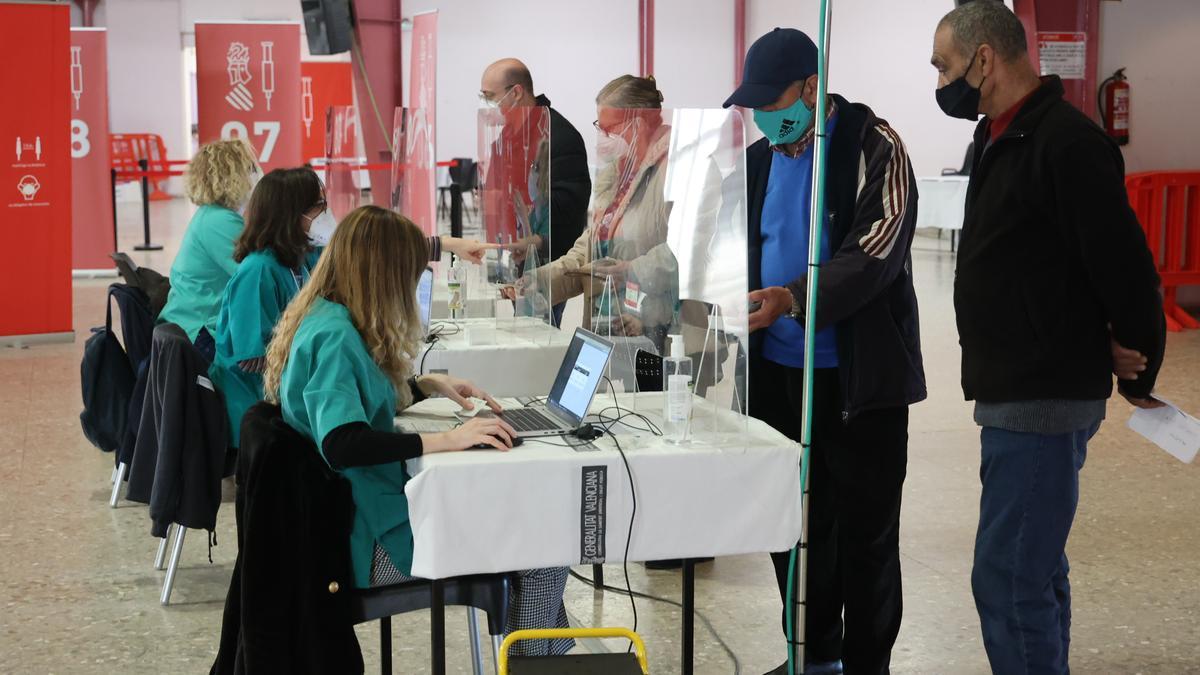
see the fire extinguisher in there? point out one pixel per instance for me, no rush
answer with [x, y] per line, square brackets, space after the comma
[1113, 102]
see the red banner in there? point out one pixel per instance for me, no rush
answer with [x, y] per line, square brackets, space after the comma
[92, 234]
[322, 84]
[420, 137]
[35, 173]
[248, 86]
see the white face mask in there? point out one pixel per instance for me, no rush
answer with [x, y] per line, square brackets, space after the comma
[611, 148]
[321, 229]
[493, 113]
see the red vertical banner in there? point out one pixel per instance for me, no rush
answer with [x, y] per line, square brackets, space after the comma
[35, 169]
[92, 233]
[420, 137]
[248, 86]
[322, 84]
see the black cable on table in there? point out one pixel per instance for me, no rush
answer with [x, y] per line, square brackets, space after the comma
[632, 513]
[432, 340]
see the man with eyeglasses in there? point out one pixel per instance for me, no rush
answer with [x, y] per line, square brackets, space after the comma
[507, 87]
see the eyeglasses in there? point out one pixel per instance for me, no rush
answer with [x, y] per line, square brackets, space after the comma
[485, 99]
[609, 132]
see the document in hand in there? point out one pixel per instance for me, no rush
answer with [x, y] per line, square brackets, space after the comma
[1169, 428]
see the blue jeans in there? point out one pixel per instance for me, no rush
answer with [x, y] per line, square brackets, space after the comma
[1030, 491]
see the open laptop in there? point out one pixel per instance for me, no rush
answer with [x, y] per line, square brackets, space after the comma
[571, 394]
[425, 298]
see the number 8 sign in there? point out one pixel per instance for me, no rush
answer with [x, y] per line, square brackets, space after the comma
[248, 87]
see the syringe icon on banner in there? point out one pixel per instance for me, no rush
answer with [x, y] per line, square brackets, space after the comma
[268, 72]
[77, 74]
[306, 100]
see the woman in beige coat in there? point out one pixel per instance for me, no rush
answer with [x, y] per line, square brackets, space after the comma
[626, 239]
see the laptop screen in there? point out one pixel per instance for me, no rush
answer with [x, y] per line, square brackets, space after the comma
[425, 298]
[580, 373]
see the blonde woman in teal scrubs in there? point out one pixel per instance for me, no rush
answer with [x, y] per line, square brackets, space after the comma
[340, 366]
[219, 180]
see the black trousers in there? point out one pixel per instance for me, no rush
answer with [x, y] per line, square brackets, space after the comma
[856, 477]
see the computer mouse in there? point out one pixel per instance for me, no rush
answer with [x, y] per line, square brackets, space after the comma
[483, 446]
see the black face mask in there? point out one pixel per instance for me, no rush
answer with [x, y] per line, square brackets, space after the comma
[959, 99]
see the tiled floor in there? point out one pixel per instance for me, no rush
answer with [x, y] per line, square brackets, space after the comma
[78, 595]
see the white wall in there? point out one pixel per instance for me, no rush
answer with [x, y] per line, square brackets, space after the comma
[693, 51]
[1154, 40]
[571, 48]
[145, 70]
[880, 57]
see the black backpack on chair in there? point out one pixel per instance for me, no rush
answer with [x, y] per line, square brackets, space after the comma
[107, 381]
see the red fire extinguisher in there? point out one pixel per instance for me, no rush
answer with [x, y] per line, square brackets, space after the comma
[1113, 101]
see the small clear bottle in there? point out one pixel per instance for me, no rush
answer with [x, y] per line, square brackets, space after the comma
[677, 393]
[456, 303]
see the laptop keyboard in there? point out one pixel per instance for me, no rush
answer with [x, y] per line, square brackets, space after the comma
[529, 419]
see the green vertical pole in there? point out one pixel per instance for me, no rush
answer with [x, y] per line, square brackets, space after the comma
[799, 557]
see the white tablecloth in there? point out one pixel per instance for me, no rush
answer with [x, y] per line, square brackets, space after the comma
[505, 357]
[942, 201]
[540, 505]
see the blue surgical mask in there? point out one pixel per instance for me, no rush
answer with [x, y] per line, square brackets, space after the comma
[786, 125]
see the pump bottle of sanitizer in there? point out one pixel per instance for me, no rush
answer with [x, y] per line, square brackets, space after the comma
[677, 388]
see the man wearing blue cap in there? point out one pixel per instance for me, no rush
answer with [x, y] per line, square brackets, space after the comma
[867, 367]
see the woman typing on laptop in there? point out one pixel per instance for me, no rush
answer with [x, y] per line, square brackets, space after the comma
[340, 365]
[287, 224]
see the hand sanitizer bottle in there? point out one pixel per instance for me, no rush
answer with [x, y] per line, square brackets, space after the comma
[456, 303]
[677, 388]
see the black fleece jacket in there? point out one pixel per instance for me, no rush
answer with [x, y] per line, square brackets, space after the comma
[1051, 256]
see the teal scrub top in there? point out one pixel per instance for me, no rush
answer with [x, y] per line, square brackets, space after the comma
[201, 269]
[330, 380]
[252, 302]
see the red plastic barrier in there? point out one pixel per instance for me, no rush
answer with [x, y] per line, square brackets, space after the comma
[1167, 204]
[127, 149]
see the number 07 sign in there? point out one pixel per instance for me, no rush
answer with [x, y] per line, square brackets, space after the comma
[248, 86]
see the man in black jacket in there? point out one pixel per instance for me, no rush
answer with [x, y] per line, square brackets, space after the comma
[1054, 276]
[507, 85]
[867, 368]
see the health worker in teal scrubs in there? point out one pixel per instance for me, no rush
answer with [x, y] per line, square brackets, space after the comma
[219, 180]
[286, 222]
[340, 365]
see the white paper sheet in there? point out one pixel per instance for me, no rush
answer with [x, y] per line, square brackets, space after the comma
[1169, 428]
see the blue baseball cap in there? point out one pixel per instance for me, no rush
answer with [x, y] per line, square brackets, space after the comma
[773, 63]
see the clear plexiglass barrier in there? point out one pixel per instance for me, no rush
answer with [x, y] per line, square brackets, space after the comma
[663, 260]
[414, 169]
[514, 204]
[343, 184]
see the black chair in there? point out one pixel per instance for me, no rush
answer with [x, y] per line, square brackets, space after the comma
[968, 160]
[464, 174]
[487, 592]
[182, 450]
[280, 471]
